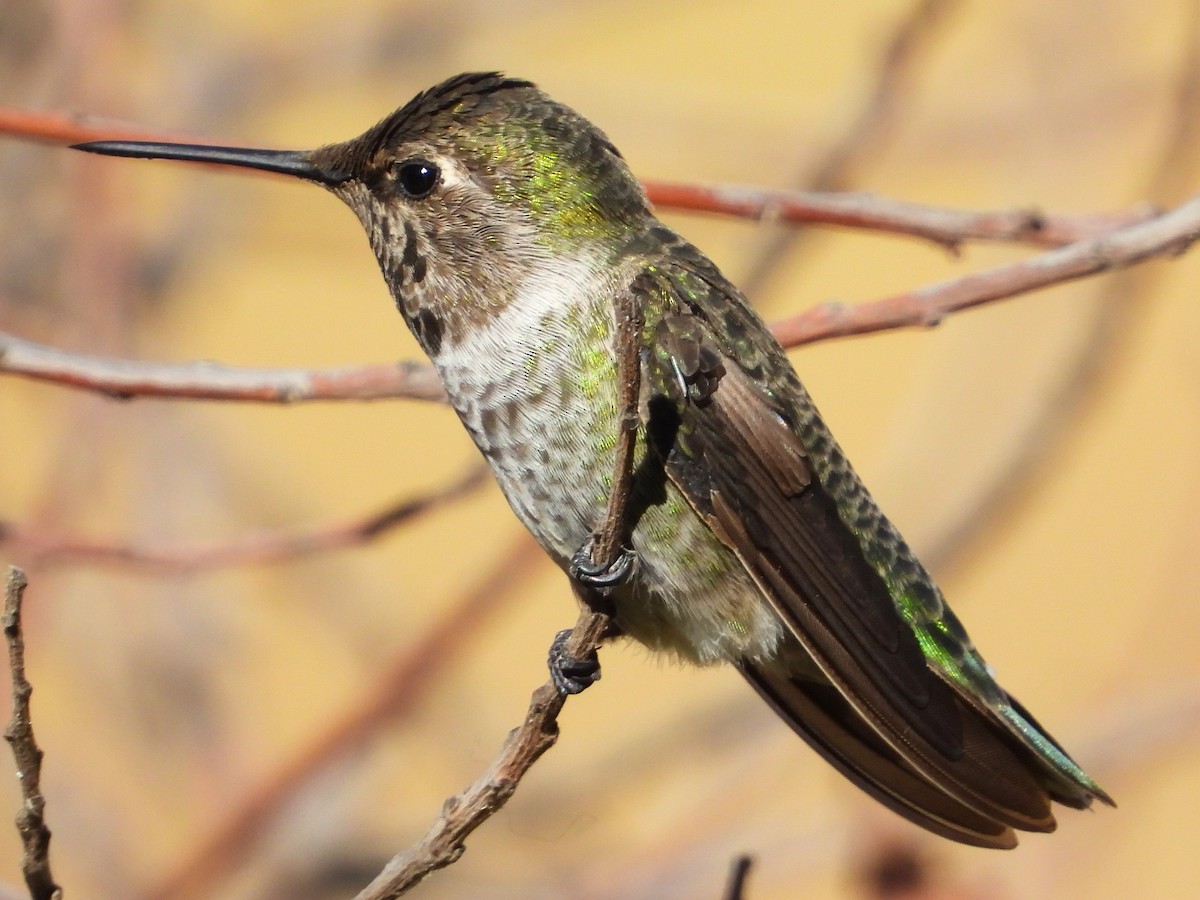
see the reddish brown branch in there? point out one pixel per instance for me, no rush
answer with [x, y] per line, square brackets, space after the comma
[1170, 234]
[948, 227]
[31, 823]
[264, 548]
[125, 379]
[53, 127]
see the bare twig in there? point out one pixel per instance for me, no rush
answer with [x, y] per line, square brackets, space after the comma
[53, 127]
[895, 67]
[948, 227]
[445, 841]
[31, 824]
[739, 872]
[125, 379]
[612, 535]
[1168, 235]
[268, 547]
[396, 692]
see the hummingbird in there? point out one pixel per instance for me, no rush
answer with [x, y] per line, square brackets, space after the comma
[508, 227]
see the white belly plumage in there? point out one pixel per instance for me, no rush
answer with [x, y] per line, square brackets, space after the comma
[536, 389]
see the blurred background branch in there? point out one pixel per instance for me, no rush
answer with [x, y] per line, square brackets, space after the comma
[948, 227]
[1166, 234]
[270, 547]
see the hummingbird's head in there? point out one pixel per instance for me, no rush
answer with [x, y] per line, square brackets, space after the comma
[479, 183]
[482, 147]
[468, 191]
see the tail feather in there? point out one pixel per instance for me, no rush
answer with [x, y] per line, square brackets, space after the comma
[819, 713]
[1064, 780]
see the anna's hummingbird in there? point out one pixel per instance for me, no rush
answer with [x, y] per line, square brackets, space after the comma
[508, 227]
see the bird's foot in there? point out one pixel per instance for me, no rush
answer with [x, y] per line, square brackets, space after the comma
[571, 674]
[601, 577]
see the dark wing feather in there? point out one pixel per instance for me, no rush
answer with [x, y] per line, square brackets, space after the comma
[822, 716]
[727, 446]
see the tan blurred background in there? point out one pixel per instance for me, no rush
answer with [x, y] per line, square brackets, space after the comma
[1044, 454]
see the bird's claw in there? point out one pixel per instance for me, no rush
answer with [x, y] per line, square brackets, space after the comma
[571, 674]
[602, 577]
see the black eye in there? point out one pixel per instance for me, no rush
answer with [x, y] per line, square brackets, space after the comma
[417, 178]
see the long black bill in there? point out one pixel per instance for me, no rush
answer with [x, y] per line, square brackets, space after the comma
[286, 162]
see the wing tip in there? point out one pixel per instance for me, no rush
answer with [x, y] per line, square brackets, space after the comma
[878, 770]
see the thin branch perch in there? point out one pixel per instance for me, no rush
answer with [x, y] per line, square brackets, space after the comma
[445, 841]
[395, 692]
